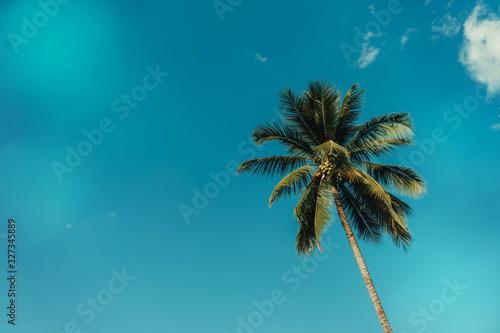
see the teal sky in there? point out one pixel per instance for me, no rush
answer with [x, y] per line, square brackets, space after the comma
[116, 115]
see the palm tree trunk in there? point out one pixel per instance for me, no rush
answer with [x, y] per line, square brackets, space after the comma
[361, 263]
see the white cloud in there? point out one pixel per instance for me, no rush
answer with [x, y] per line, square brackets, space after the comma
[496, 127]
[260, 58]
[404, 40]
[368, 55]
[480, 51]
[447, 25]
[427, 2]
[112, 218]
[368, 52]
[406, 36]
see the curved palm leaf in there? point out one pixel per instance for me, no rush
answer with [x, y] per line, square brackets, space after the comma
[391, 126]
[363, 151]
[370, 188]
[365, 224]
[313, 214]
[272, 165]
[324, 101]
[391, 217]
[350, 112]
[331, 147]
[286, 135]
[397, 178]
[293, 110]
[293, 183]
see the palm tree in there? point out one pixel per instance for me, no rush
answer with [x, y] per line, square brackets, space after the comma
[330, 157]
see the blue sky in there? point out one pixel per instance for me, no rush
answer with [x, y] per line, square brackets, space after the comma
[116, 115]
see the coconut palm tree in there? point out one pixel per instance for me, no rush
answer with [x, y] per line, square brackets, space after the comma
[330, 160]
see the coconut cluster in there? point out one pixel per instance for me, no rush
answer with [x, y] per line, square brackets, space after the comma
[326, 168]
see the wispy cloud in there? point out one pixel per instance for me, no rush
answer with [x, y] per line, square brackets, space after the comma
[406, 36]
[260, 58]
[496, 127]
[368, 55]
[447, 26]
[368, 52]
[427, 2]
[109, 218]
[480, 51]
[112, 218]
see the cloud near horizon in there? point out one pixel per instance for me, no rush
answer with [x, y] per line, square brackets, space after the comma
[480, 51]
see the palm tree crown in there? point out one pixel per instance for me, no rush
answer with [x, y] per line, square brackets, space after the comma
[327, 150]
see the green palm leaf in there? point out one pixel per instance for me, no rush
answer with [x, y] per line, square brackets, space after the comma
[293, 183]
[299, 117]
[283, 134]
[313, 214]
[350, 112]
[331, 148]
[391, 126]
[364, 151]
[397, 178]
[365, 223]
[272, 165]
[324, 101]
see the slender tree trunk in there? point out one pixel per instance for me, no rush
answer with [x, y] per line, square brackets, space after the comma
[361, 263]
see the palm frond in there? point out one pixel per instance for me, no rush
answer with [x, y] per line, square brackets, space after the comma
[313, 212]
[324, 100]
[364, 223]
[305, 243]
[400, 207]
[331, 147]
[396, 178]
[283, 134]
[394, 222]
[391, 217]
[272, 165]
[364, 151]
[382, 206]
[391, 126]
[299, 117]
[293, 183]
[350, 112]
[369, 188]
